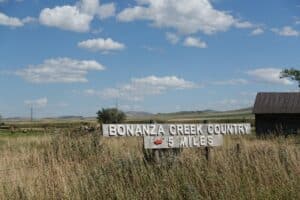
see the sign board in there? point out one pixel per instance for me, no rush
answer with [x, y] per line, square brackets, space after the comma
[163, 136]
[175, 129]
[166, 142]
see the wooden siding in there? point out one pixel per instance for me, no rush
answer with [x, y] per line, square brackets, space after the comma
[277, 123]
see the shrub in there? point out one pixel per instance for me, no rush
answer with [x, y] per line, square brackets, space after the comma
[111, 115]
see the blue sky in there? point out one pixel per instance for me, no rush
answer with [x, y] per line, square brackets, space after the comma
[75, 57]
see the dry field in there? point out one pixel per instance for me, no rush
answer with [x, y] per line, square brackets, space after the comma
[87, 166]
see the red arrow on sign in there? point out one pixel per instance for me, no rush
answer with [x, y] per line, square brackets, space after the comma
[158, 141]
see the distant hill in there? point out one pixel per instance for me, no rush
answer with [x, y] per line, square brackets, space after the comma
[242, 110]
[15, 119]
[144, 116]
[71, 117]
[138, 114]
[189, 112]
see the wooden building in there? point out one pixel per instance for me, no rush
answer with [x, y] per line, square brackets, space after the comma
[277, 113]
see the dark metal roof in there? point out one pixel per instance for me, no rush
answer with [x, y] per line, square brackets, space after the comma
[277, 103]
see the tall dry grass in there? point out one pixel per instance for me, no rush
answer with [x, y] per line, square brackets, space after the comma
[92, 167]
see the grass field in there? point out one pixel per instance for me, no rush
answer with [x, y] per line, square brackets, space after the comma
[243, 115]
[66, 163]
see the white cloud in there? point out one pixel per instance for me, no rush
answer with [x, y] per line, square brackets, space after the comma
[106, 10]
[231, 82]
[286, 31]
[39, 103]
[93, 7]
[67, 18]
[14, 21]
[138, 88]
[257, 31]
[100, 44]
[59, 70]
[91, 92]
[88, 6]
[164, 82]
[185, 16]
[29, 20]
[194, 42]
[172, 38]
[269, 75]
[10, 21]
[244, 24]
[96, 31]
[76, 17]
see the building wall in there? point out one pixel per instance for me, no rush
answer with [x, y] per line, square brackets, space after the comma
[277, 123]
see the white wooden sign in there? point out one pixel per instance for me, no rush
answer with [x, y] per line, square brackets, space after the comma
[175, 129]
[163, 136]
[166, 142]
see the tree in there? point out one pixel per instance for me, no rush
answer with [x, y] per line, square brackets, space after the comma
[292, 74]
[111, 115]
[1, 122]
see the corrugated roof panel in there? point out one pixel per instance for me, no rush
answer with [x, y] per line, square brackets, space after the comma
[275, 102]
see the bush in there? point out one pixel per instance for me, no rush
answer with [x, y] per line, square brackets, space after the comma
[111, 116]
[1, 122]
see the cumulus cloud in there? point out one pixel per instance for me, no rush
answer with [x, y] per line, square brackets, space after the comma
[14, 21]
[101, 44]
[185, 16]
[244, 24]
[29, 20]
[59, 70]
[286, 31]
[106, 10]
[238, 81]
[138, 88]
[257, 31]
[76, 17]
[164, 82]
[194, 42]
[10, 21]
[172, 38]
[39, 103]
[67, 18]
[88, 6]
[269, 75]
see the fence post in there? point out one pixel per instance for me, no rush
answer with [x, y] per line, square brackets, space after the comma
[156, 155]
[207, 153]
[238, 148]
